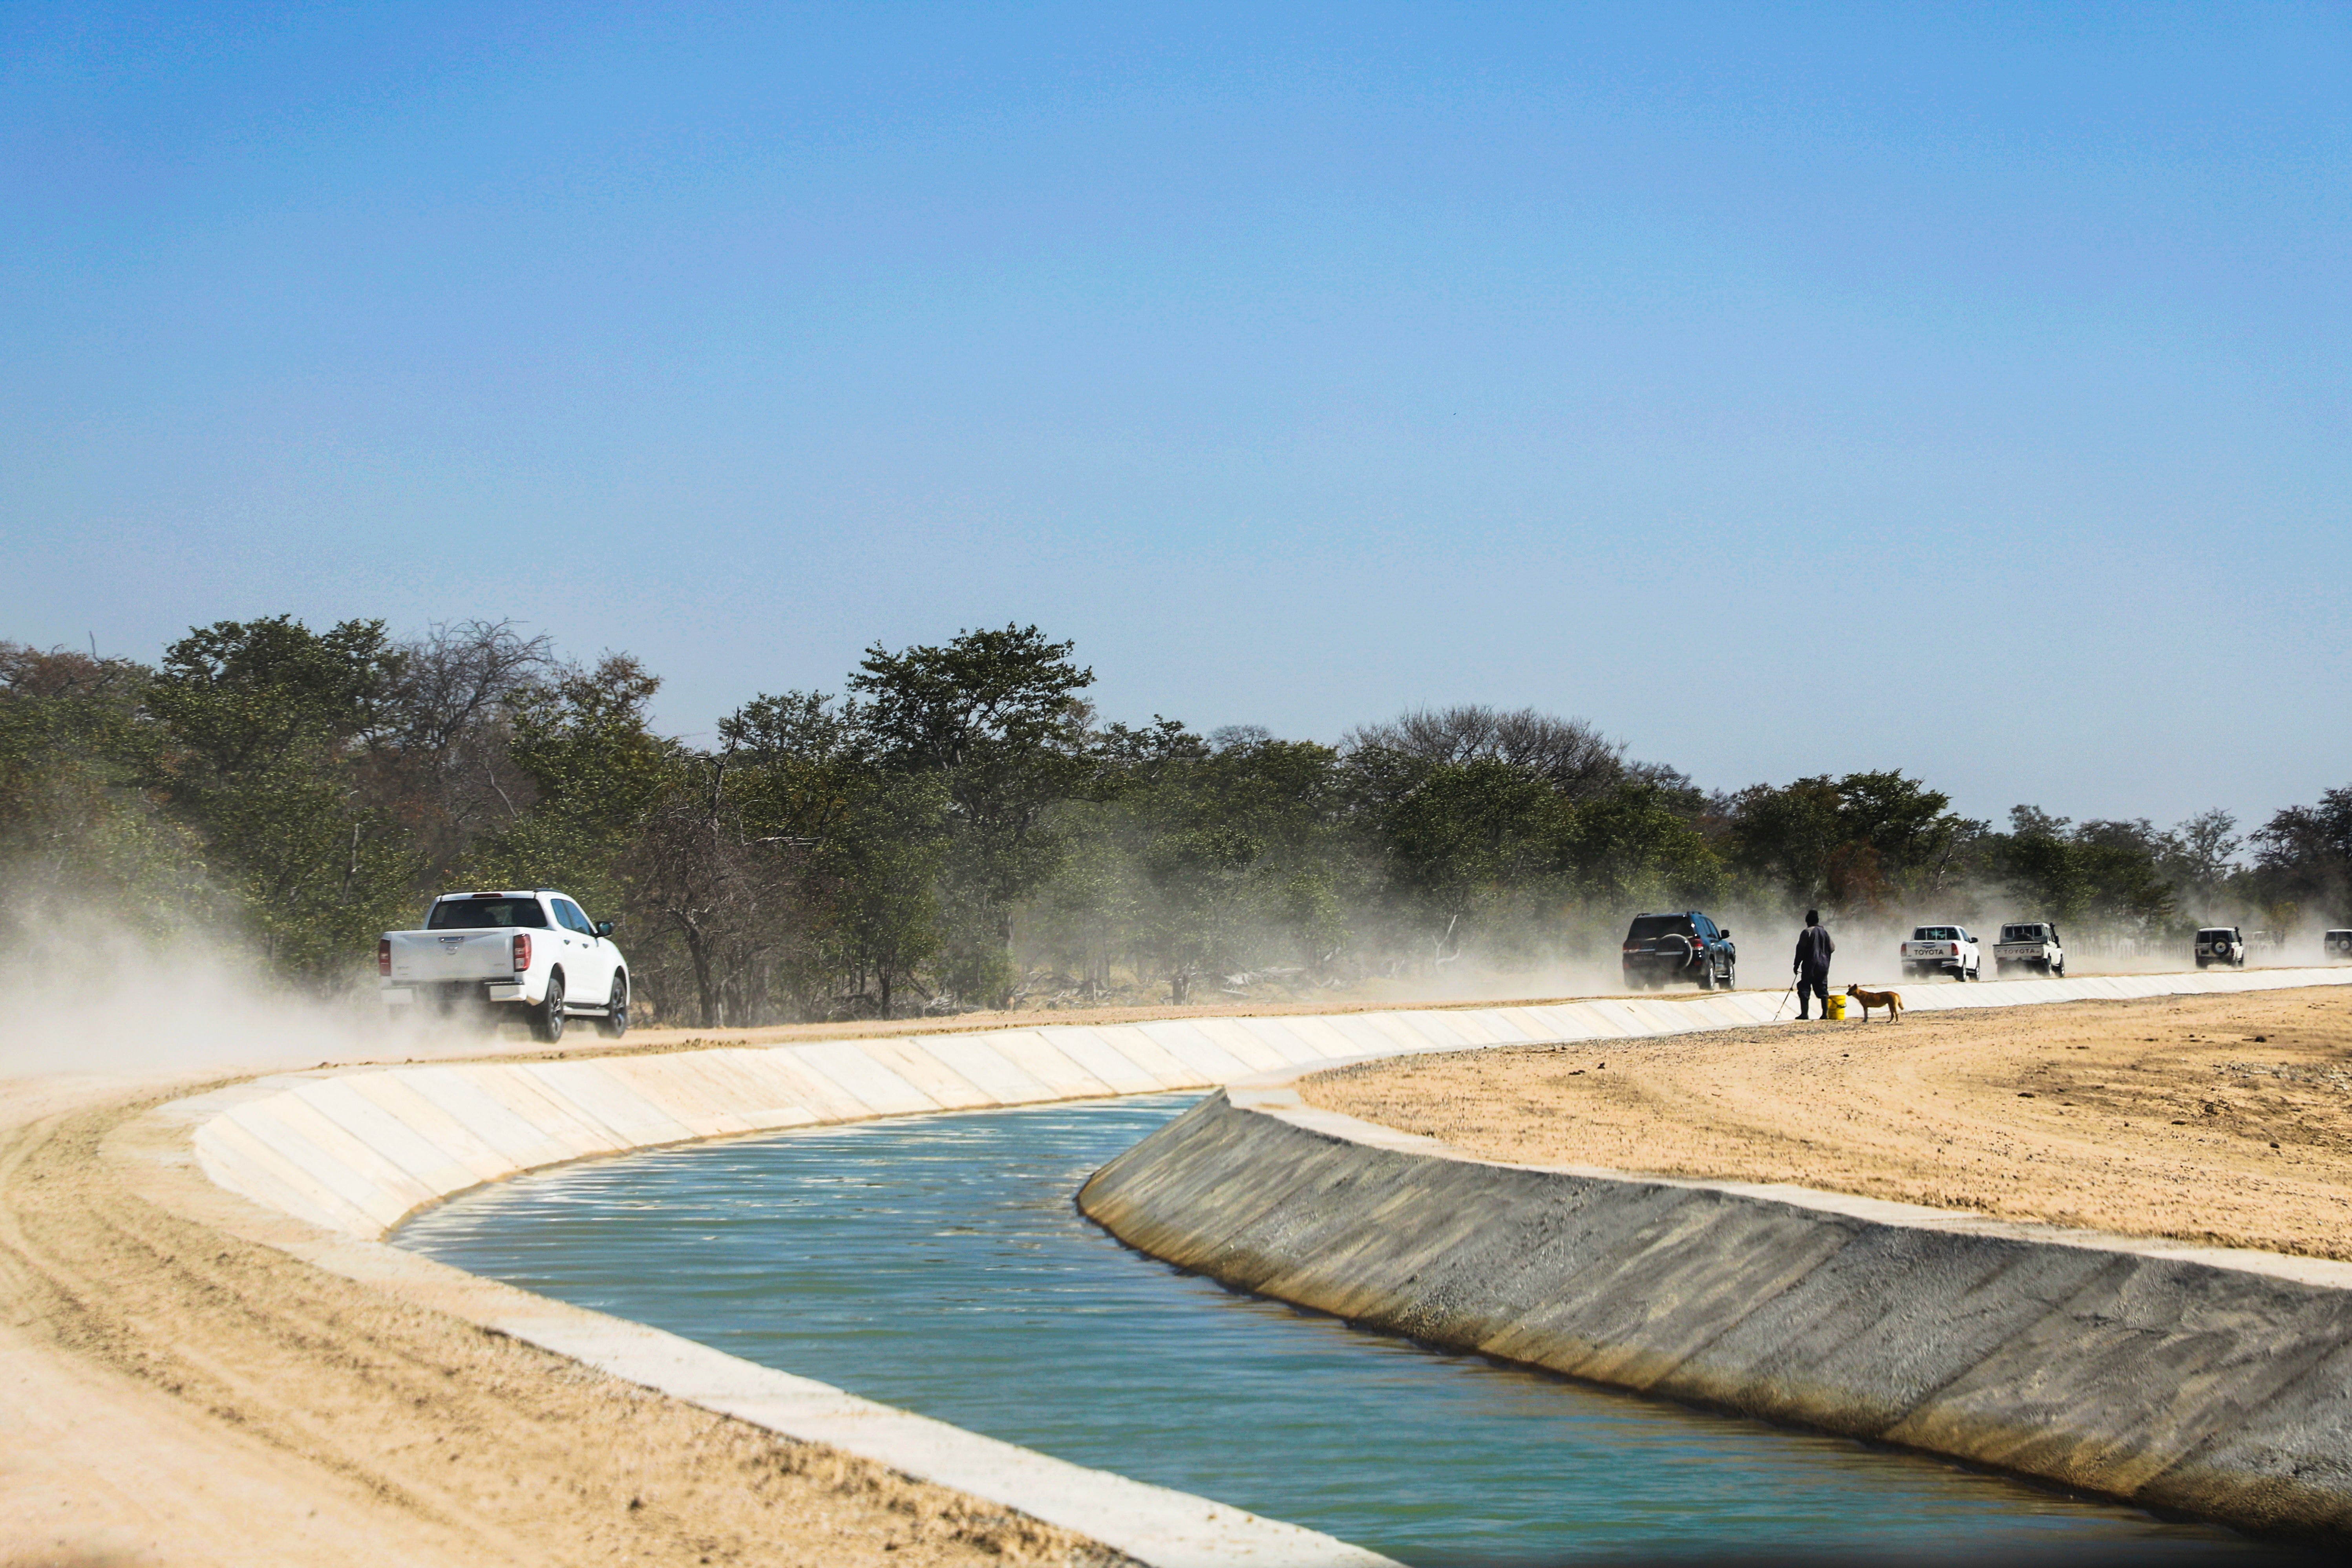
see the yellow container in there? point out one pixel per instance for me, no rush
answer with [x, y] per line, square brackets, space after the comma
[1833, 1004]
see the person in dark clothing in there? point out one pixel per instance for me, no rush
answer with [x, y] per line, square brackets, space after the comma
[1812, 967]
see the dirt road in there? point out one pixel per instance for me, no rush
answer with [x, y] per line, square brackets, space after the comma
[2214, 1118]
[169, 1394]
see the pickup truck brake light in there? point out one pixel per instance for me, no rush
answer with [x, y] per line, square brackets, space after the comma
[383, 956]
[522, 952]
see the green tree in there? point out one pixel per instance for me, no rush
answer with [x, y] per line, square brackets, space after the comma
[995, 716]
[1859, 842]
[1785, 837]
[1633, 845]
[1468, 836]
[2304, 857]
[2104, 874]
[77, 837]
[261, 729]
[439, 757]
[874, 839]
[884, 855]
[584, 740]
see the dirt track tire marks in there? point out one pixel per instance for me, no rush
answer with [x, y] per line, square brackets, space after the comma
[2219, 1120]
[464, 1446]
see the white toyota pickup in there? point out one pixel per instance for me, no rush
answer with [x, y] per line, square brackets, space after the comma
[1947, 949]
[2031, 945]
[531, 950]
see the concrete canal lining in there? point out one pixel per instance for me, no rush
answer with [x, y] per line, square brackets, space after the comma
[322, 1165]
[2207, 1382]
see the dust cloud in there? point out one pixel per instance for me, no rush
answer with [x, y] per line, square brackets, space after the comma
[93, 992]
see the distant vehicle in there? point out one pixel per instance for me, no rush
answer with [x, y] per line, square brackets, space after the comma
[1943, 949]
[532, 951]
[2032, 946]
[2336, 944]
[2221, 944]
[1661, 949]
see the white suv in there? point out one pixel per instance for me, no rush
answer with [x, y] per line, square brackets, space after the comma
[1943, 949]
[2221, 944]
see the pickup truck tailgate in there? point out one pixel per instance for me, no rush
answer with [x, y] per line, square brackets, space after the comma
[420, 957]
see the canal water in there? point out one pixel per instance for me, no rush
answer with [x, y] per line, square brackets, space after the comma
[938, 1264]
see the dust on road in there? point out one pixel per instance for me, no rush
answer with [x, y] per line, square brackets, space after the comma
[2223, 1119]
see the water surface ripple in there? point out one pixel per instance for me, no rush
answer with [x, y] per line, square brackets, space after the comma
[937, 1263]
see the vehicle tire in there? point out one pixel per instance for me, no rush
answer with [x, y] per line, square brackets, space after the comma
[616, 1021]
[1707, 974]
[1731, 975]
[2059, 968]
[547, 1022]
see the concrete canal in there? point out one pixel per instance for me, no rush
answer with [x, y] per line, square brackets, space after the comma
[937, 1263]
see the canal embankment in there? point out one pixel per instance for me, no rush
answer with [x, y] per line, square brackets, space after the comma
[2200, 1381]
[317, 1167]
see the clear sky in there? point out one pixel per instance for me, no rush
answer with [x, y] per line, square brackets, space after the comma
[1786, 389]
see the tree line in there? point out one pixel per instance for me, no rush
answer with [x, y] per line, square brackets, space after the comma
[958, 828]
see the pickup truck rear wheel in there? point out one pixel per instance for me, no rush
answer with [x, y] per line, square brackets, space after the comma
[549, 1023]
[616, 1021]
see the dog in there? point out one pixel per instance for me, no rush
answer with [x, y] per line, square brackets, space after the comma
[1890, 1000]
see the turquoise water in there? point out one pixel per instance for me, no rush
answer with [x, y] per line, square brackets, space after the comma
[937, 1263]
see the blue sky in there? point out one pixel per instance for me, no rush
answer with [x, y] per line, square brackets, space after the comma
[1787, 389]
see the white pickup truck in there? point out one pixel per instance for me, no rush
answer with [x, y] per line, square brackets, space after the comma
[534, 952]
[1944, 950]
[2031, 945]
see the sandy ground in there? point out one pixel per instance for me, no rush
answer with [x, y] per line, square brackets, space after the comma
[170, 1395]
[2214, 1118]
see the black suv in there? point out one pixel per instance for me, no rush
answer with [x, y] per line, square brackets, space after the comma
[1685, 946]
